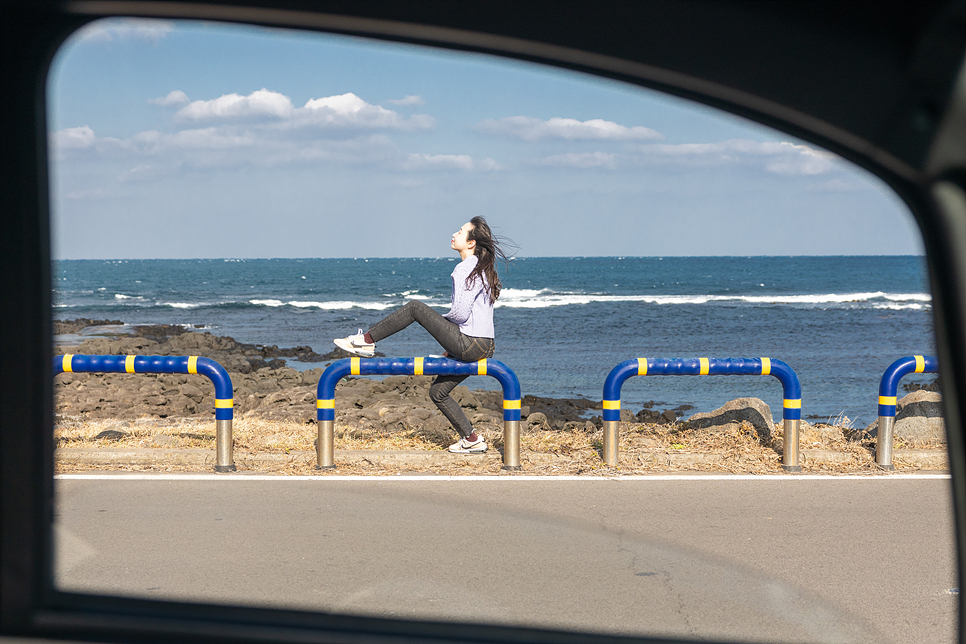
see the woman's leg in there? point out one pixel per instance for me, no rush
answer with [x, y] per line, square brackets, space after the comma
[439, 393]
[446, 333]
[470, 350]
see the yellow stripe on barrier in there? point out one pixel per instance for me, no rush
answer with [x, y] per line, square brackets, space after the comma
[511, 404]
[129, 364]
[793, 404]
[642, 366]
[705, 366]
[192, 364]
[481, 367]
[887, 400]
[65, 366]
[354, 366]
[224, 403]
[920, 364]
[417, 366]
[325, 404]
[766, 366]
[611, 404]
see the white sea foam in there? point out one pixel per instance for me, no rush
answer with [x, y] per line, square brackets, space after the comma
[336, 305]
[834, 298]
[534, 299]
[410, 295]
[894, 306]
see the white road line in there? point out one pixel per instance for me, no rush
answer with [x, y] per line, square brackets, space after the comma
[657, 477]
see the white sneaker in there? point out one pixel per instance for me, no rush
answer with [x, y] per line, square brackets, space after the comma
[357, 344]
[465, 446]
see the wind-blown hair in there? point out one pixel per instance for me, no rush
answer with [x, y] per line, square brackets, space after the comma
[488, 249]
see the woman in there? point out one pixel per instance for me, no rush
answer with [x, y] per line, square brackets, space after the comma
[465, 332]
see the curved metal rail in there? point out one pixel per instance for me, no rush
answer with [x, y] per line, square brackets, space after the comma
[325, 403]
[888, 394]
[791, 405]
[224, 402]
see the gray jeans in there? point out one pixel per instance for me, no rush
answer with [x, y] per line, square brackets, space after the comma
[460, 347]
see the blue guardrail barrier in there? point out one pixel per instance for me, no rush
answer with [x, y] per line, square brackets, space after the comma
[224, 402]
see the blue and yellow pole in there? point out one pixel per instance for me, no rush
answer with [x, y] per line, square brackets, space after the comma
[339, 369]
[888, 395]
[791, 407]
[224, 402]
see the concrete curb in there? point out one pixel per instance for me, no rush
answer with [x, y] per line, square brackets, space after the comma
[923, 459]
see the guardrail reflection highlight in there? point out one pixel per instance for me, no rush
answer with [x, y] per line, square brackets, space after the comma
[791, 405]
[325, 403]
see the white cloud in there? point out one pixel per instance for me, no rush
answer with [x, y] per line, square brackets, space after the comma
[177, 97]
[154, 154]
[74, 138]
[531, 129]
[119, 29]
[445, 161]
[579, 160]
[490, 165]
[348, 110]
[257, 104]
[210, 139]
[806, 161]
[782, 157]
[261, 129]
[412, 99]
[344, 111]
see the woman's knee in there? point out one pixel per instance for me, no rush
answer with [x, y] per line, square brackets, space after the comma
[416, 305]
[438, 392]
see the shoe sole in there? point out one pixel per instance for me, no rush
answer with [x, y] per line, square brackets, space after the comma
[468, 451]
[345, 346]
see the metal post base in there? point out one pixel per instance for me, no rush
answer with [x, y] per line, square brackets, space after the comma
[511, 444]
[887, 468]
[325, 467]
[512, 468]
[611, 441]
[325, 445]
[790, 462]
[883, 442]
[224, 446]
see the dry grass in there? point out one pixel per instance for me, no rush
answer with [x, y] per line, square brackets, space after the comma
[644, 448]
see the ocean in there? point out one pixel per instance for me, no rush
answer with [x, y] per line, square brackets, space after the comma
[562, 323]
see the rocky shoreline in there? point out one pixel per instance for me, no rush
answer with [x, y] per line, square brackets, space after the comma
[267, 389]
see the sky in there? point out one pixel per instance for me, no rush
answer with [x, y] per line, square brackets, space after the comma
[192, 139]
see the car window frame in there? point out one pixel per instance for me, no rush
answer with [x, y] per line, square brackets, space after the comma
[29, 604]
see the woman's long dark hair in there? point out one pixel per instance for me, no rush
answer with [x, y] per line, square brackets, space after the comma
[487, 250]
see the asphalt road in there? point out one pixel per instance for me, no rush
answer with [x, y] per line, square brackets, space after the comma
[766, 558]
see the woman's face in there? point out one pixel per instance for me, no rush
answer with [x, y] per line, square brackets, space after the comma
[460, 243]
